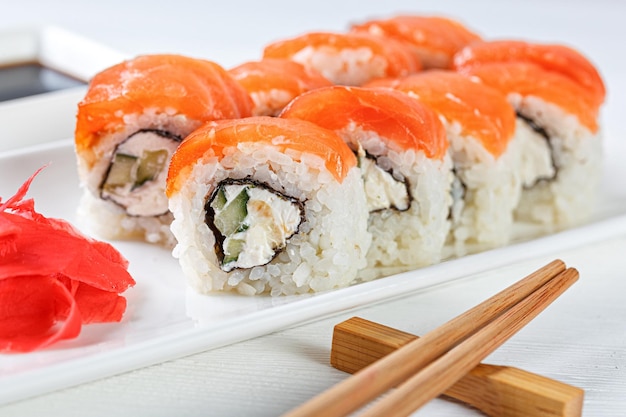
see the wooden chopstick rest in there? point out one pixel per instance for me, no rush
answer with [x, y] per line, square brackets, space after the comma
[495, 390]
[426, 367]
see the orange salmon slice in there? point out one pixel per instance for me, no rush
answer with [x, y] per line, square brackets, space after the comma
[266, 77]
[482, 112]
[344, 51]
[557, 58]
[201, 90]
[403, 122]
[215, 138]
[528, 79]
[434, 39]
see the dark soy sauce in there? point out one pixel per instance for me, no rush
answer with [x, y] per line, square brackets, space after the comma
[25, 80]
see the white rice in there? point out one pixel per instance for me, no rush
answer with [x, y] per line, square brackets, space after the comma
[270, 102]
[568, 200]
[104, 217]
[348, 66]
[403, 240]
[326, 253]
[110, 221]
[483, 218]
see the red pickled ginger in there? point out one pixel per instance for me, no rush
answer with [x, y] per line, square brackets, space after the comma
[53, 279]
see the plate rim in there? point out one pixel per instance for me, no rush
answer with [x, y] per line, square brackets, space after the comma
[295, 311]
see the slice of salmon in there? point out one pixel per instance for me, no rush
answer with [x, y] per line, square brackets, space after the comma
[526, 79]
[272, 83]
[347, 58]
[482, 112]
[398, 119]
[552, 57]
[434, 39]
[293, 136]
[173, 84]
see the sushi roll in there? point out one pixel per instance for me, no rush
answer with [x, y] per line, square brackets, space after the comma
[558, 118]
[433, 39]
[272, 83]
[347, 58]
[132, 118]
[401, 147]
[480, 126]
[267, 205]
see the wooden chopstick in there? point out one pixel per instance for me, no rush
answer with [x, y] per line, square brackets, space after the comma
[450, 367]
[357, 390]
[497, 391]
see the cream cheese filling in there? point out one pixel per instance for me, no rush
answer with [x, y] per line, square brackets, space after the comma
[136, 177]
[252, 223]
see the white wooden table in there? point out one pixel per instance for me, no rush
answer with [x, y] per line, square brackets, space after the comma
[580, 340]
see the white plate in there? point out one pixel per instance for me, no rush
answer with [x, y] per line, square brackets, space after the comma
[165, 320]
[48, 116]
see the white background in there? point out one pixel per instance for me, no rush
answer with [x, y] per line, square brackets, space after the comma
[580, 340]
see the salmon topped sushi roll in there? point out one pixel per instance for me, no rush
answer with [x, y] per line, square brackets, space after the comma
[434, 39]
[480, 126]
[551, 57]
[561, 119]
[267, 205]
[402, 150]
[272, 83]
[132, 118]
[347, 58]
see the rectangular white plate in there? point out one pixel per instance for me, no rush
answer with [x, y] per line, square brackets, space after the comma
[48, 116]
[165, 320]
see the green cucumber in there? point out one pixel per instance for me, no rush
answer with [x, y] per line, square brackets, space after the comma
[219, 201]
[232, 250]
[230, 218]
[121, 171]
[150, 166]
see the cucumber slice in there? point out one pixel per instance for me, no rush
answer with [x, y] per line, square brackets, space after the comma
[135, 180]
[122, 171]
[150, 166]
[251, 222]
[219, 201]
[230, 218]
[232, 250]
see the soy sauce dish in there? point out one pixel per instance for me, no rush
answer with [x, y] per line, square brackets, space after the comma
[32, 78]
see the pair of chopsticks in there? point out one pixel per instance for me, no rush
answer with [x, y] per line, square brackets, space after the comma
[426, 367]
